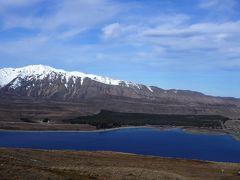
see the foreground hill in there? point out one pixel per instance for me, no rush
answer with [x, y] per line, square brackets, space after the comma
[36, 164]
[37, 92]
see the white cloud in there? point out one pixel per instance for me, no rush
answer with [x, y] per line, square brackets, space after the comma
[116, 30]
[112, 30]
[220, 8]
[81, 13]
[173, 19]
[209, 3]
[164, 38]
[221, 4]
[193, 36]
[210, 44]
[64, 18]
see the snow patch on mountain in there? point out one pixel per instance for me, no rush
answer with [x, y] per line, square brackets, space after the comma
[7, 75]
[149, 88]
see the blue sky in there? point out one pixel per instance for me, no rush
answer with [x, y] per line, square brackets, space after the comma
[187, 44]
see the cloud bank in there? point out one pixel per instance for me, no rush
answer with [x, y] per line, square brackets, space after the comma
[161, 36]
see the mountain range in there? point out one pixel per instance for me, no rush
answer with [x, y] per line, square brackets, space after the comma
[39, 91]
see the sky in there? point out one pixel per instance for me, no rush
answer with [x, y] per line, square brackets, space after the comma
[172, 44]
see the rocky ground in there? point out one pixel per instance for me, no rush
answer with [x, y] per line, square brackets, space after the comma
[36, 164]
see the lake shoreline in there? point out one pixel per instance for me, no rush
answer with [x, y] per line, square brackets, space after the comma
[187, 129]
[192, 130]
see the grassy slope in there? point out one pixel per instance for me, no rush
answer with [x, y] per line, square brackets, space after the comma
[35, 164]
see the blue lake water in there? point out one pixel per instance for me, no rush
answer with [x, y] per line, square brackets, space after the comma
[146, 141]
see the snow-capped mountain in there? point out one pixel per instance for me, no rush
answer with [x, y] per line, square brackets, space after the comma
[58, 84]
[40, 72]
[90, 93]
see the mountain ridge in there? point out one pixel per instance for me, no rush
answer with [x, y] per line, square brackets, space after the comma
[9, 74]
[43, 70]
[27, 90]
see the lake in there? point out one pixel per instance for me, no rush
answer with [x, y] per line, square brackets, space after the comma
[145, 141]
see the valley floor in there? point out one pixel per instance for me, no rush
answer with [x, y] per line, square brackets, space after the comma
[39, 164]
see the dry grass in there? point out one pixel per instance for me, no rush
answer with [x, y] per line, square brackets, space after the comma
[36, 164]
